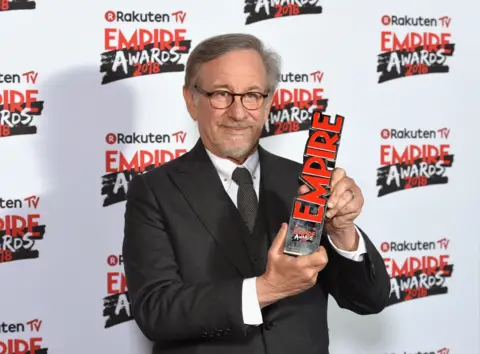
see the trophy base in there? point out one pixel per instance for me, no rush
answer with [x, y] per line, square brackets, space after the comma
[303, 237]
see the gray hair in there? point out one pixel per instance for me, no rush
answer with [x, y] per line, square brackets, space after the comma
[214, 47]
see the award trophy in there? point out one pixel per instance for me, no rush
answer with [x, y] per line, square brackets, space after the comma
[306, 222]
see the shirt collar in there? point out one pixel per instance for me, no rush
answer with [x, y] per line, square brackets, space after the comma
[226, 167]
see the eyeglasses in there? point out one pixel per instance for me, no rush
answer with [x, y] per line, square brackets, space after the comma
[224, 99]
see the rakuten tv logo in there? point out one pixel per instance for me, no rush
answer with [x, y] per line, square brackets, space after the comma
[395, 20]
[147, 138]
[409, 246]
[133, 16]
[442, 133]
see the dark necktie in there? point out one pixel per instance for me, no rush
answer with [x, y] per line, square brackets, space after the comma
[247, 202]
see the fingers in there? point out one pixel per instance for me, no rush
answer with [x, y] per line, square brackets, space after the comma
[303, 189]
[338, 191]
[346, 203]
[340, 221]
[279, 241]
[316, 260]
[337, 175]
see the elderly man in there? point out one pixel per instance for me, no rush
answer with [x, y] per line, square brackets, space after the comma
[204, 234]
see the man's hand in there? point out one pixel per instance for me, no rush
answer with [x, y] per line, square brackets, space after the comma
[344, 205]
[286, 275]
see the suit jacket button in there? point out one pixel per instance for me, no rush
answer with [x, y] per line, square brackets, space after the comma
[268, 326]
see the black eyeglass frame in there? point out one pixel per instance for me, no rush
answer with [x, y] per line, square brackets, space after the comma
[233, 95]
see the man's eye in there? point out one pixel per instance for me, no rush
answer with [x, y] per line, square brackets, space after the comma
[222, 93]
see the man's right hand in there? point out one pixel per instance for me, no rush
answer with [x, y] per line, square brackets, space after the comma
[287, 275]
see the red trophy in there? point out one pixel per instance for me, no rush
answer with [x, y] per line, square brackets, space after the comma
[308, 213]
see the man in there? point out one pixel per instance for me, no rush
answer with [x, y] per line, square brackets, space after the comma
[204, 233]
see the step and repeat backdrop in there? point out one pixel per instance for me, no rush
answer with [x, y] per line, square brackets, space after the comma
[91, 95]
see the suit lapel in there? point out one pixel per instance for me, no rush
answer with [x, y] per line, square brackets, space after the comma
[198, 181]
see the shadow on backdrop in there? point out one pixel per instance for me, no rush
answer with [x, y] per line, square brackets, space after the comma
[79, 112]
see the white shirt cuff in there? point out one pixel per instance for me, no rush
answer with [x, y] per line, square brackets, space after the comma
[353, 255]
[252, 315]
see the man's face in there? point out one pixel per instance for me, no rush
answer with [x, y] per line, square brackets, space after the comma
[234, 131]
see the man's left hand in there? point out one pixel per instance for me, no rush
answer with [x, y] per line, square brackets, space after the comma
[344, 205]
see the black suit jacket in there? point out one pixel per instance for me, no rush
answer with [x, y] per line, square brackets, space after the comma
[185, 260]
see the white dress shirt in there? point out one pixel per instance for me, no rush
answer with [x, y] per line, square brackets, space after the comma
[250, 306]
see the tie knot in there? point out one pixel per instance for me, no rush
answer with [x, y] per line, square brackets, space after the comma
[242, 176]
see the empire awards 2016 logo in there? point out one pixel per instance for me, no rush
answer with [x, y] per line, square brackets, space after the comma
[414, 52]
[19, 108]
[406, 166]
[416, 276]
[121, 168]
[116, 305]
[143, 51]
[293, 103]
[19, 233]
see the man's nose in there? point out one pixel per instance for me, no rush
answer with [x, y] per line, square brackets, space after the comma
[236, 109]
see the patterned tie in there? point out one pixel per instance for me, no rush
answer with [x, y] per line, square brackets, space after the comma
[247, 201]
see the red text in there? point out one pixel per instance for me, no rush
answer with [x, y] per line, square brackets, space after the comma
[141, 160]
[13, 100]
[116, 283]
[15, 225]
[430, 41]
[315, 172]
[301, 98]
[427, 153]
[20, 346]
[426, 264]
[160, 38]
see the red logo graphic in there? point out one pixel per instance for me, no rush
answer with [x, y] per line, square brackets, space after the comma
[386, 20]
[110, 16]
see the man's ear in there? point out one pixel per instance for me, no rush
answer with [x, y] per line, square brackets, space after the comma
[190, 102]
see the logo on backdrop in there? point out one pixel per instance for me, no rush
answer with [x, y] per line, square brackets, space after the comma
[261, 10]
[19, 233]
[293, 104]
[419, 51]
[405, 165]
[12, 5]
[116, 305]
[120, 169]
[431, 351]
[143, 51]
[417, 269]
[22, 337]
[19, 108]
